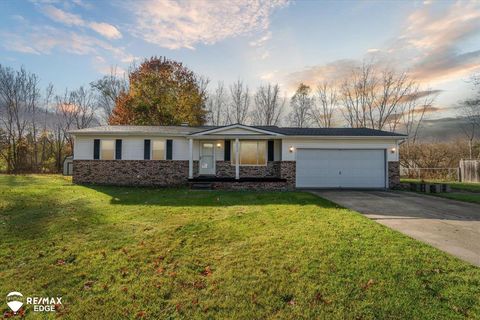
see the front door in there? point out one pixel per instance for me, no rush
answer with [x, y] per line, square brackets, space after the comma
[207, 158]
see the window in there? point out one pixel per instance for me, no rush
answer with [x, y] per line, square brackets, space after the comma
[253, 153]
[158, 149]
[107, 150]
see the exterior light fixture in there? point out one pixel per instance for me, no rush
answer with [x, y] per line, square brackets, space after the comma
[393, 150]
[219, 145]
[291, 149]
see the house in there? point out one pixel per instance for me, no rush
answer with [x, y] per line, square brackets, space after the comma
[237, 156]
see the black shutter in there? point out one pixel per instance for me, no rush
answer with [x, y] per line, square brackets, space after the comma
[169, 149]
[118, 149]
[227, 150]
[96, 149]
[146, 149]
[270, 150]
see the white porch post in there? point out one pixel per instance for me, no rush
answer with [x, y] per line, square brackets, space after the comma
[190, 158]
[237, 162]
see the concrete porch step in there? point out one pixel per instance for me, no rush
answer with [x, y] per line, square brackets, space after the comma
[201, 186]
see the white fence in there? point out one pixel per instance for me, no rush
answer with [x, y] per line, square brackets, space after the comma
[470, 170]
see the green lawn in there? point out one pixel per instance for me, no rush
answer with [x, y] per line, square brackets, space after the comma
[462, 191]
[115, 253]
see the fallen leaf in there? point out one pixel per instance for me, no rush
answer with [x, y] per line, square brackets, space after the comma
[207, 272]
[370, 283]
[60, 262]
[88, 285]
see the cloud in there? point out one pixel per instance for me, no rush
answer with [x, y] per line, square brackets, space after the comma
[61, 16]
[435, 39]
[185, 24]
[261, 41]
[70, 19]
[430, 48]
[312, 75]
[106, 30]
[46, 39]
[269, 76]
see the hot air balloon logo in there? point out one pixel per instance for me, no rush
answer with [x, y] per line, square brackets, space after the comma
[15, 301]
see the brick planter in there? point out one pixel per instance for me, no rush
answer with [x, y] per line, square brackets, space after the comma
[227, 169]
[131, 172]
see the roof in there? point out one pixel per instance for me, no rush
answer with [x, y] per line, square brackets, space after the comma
[287, 131]
[350, 132]
[169, 130]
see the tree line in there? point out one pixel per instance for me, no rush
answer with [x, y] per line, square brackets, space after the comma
[35, 121]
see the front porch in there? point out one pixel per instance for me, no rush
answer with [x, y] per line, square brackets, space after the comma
[235, 155]
[238, 158]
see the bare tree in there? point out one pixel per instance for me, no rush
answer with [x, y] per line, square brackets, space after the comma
[83, 107]
[268, 106]
[239, 103]
[470, 111]
[356, 95]
[217, 103]
[19, 96]
[327, 101]
[74, 110]
[415, 106]
[45, 132]
[301, 103]
[108, 90]
[374, 97]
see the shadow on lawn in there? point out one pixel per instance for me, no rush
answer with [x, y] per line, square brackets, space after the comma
[183, 197]
[31, 217]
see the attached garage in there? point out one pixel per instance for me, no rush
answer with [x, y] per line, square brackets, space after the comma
[341, 168]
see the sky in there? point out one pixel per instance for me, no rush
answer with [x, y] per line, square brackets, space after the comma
[72, 43]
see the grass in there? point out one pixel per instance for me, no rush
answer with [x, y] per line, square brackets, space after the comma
[115, 253]
[461, 191]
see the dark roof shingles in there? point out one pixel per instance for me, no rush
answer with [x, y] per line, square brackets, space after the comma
[288, 131]
[350, 132]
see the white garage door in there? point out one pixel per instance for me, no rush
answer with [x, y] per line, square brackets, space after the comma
[325, 168]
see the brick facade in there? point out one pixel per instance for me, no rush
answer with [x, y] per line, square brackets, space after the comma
[393, 174]
[288, 171]
[226, 169]
[131, 172]
[166, 173]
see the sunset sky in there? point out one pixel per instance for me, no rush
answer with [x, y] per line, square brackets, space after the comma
[71, 43]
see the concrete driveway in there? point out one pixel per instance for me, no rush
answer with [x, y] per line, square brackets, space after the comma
[451, 226]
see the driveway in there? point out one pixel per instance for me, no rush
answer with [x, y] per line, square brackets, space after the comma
[448, 225]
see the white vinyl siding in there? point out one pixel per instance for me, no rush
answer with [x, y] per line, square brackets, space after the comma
[132, 149]
[83, 148]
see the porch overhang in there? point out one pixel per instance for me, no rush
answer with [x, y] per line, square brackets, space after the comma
[235, 130]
